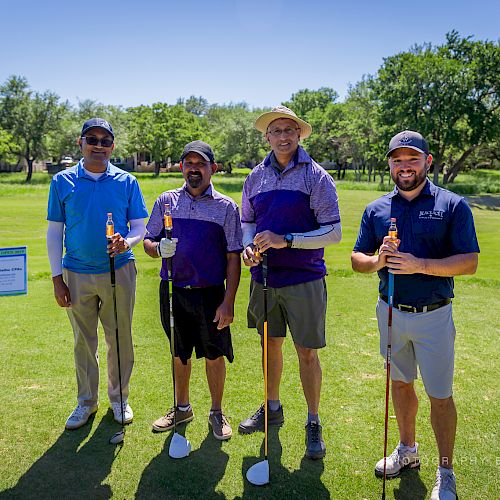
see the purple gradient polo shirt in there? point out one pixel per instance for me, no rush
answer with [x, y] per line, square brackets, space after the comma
[208, 228]
[300, 198]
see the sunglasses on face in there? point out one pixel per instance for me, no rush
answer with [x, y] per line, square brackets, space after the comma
[94, 141]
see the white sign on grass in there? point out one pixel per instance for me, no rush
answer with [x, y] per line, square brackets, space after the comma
[13, 271]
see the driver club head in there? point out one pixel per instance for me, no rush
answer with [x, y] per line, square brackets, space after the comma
[258, 474]
[180, 447]
[118, 437]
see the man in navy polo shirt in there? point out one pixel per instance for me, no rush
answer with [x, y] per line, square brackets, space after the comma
[436, 241]
[290, 211]
[79, 200]
[205, 250]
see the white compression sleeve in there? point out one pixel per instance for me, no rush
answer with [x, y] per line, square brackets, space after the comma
[319, 238]
[136, 233]
[55, 232]
[249, 229]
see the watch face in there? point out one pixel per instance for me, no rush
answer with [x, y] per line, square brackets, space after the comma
[289, 240]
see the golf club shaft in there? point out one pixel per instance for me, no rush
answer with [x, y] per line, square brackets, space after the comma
[265, 353]
[388, 373]
[113, 287]
[172, 326]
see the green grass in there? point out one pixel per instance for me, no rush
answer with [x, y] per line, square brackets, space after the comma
[42, 460]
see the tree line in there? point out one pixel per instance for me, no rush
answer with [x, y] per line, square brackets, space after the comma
[448, 92]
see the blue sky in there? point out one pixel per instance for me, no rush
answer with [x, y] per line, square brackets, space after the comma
[257, 51]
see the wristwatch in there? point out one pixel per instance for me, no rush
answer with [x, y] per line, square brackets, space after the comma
[289, 240]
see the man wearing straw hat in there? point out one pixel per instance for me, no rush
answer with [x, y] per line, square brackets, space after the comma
[290, 211]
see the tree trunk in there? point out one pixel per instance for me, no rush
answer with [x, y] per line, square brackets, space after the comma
[457, 166]
[157, 169]
[30, 169]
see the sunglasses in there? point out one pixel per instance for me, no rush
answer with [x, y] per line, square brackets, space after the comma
[94, 141]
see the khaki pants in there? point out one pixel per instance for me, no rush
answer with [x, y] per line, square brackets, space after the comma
[92, 299]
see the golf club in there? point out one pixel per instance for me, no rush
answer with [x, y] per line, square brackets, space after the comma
[119, 436]
[393, 233]
[258, 474]
[180, 447]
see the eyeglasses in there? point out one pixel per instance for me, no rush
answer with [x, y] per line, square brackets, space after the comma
[287, 131]
[94, 141]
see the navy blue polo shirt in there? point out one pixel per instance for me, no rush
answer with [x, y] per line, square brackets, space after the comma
[434, 225]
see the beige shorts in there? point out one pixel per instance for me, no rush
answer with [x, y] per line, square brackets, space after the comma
[423, 339]
[301, 307]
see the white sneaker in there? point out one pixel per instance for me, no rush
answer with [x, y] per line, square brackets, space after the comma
[128, 414]
[446, 485]
[401, 458]
[80, 416]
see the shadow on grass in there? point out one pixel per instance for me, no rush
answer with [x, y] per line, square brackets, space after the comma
[67, 471]
[195, 476]
[283, 483]
[410, 486]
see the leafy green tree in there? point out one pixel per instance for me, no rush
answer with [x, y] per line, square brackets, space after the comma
[231, 132]
[29, 117]
[161, 130]
[196, 105]
[304, 101]
[449, 93]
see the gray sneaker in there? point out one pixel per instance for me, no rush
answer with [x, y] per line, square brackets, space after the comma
[166, 422]
[446, 485]
[220, 426]
[80, 416]
[401, 458]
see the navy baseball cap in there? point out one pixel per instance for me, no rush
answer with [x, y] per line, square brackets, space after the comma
[408, 139]
[97, 123]
[200, 147]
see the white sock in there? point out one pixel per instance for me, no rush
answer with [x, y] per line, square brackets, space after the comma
[184, 408]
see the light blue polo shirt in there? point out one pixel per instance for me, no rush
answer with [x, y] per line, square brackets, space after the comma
[82, 204]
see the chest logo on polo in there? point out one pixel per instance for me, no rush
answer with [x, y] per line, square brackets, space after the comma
[431, 214]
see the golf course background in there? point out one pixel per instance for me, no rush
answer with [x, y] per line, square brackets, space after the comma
[40, 459]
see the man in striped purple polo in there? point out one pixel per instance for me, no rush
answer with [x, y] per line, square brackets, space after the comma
[290, 211]
[205, 250]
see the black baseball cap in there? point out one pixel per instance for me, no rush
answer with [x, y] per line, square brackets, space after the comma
[200, 147]
[408, 139]
[98, 123]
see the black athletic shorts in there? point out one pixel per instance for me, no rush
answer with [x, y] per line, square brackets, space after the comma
[194, 312]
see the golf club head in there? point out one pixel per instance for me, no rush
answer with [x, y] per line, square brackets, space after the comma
[118, 437]
[180, 447]
[258, 474]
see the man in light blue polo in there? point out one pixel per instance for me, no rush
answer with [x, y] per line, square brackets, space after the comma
[290, 211]
[79, 200]
[436, 241]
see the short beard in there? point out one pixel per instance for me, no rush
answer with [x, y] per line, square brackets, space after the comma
[194, 182]
[419, 179]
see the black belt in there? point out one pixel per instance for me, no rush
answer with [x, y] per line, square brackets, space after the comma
[412, 309]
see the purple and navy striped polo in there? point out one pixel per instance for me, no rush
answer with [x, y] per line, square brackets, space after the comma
[207, 227]
[300, 198]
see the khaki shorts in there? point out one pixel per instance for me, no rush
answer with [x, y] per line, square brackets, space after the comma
[423, 339]
[302, 307]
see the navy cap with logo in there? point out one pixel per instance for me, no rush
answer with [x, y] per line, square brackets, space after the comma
[408, 139]
[97, 123]
[200, 147]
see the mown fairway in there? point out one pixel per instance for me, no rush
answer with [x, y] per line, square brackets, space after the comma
[39, 459]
